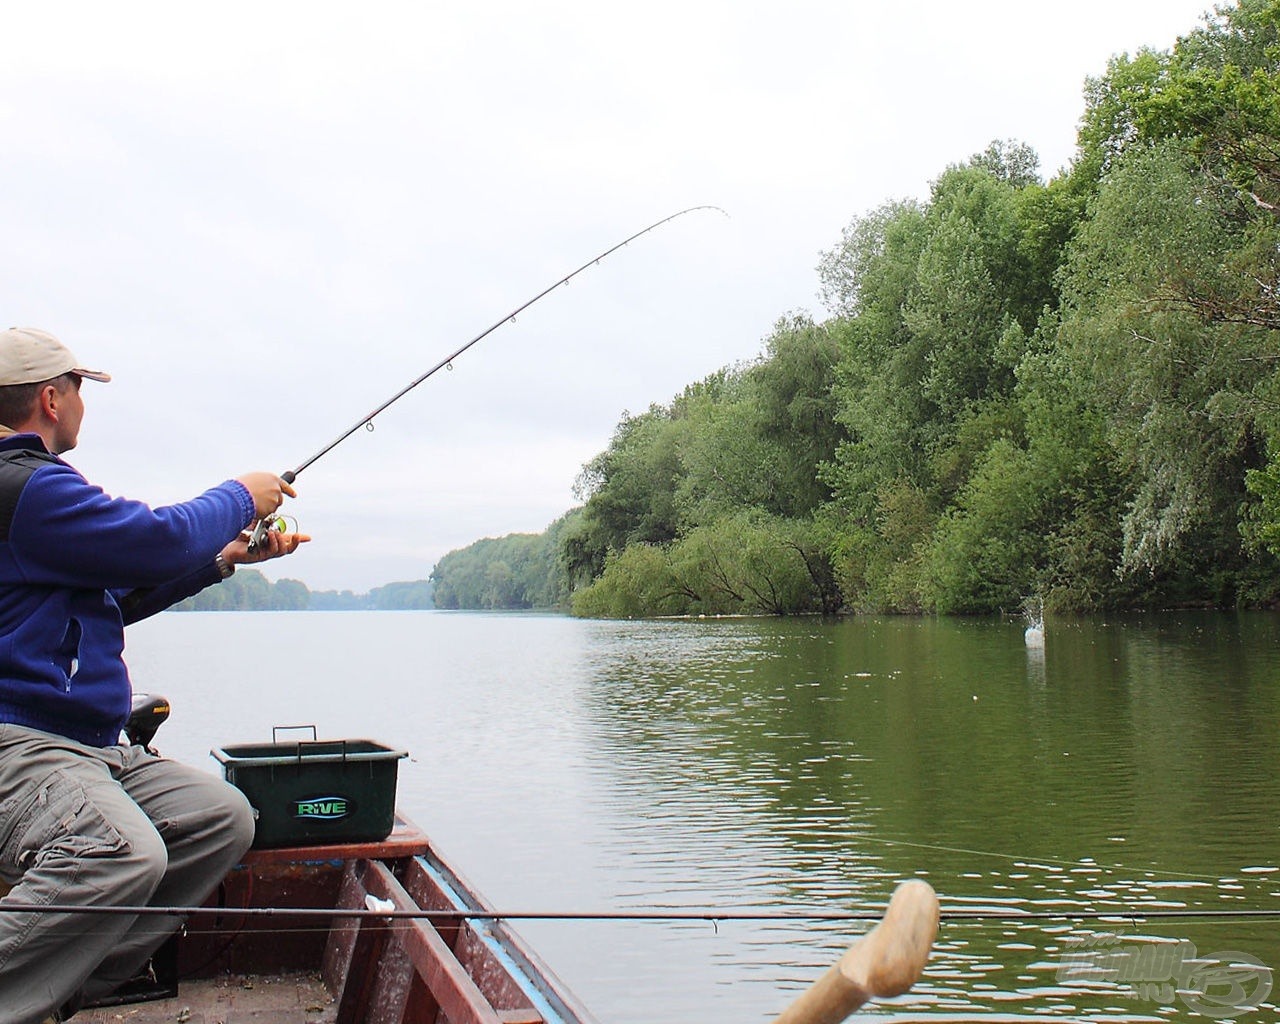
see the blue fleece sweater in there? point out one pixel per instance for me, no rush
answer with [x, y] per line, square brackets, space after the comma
[76, 566]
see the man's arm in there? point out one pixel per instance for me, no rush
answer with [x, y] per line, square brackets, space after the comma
[146, 601]
[67, 532]
[143, 602]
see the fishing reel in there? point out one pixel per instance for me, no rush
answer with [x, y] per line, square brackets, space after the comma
[274, 522]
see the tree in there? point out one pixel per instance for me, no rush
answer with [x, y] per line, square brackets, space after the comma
[290, 595]
[629, 491]
[520, 570]
[1183, 394]
[1068, 390]
[402, 596]
[791, 391]
[1012, 162]
[635, 582]
[870, 272]
[939, 301]
[759, 437]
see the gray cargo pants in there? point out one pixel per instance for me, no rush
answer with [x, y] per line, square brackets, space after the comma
[101, 826]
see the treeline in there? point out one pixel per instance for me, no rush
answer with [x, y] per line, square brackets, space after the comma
[250, 591]
[521, 570]
[1064, 390]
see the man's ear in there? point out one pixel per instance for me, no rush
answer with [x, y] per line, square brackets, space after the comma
[48, 404]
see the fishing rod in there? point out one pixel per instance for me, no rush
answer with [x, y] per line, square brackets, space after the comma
[289, 475]
[712, 916]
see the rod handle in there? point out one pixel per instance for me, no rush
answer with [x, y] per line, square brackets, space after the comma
[264, 524]
[885, 962]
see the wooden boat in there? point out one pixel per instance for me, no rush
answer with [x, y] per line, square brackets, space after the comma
[419, 944]
[292, 968]
[271, 948]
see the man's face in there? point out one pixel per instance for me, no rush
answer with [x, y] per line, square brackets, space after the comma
[70, 414]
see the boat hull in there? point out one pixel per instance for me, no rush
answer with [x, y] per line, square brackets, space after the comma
[428, 962]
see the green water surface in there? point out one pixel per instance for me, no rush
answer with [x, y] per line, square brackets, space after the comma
[789, 765]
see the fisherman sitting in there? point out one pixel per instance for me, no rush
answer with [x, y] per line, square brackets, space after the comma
[85, 820]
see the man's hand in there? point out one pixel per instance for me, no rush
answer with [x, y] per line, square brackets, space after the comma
[274, 544]
[268, 491]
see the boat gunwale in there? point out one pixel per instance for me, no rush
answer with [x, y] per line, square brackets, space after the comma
[315, 869]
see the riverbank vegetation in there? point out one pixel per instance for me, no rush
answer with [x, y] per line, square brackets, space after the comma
[521, 570]
[1067, 389]
[250, 591]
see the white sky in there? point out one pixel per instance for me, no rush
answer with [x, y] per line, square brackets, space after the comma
[266, 218]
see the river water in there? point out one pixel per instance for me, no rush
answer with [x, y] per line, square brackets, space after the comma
[744, 764]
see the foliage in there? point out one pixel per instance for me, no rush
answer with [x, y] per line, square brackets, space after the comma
[748, 563]
[491, 573]
[248, 591]
[403, 596]
[636, 581]
[1066, 390]
[521, 570]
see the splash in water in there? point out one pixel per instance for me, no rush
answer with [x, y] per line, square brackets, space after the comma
[1034, 613]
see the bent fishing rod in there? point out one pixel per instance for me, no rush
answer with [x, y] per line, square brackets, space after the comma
[289, 475]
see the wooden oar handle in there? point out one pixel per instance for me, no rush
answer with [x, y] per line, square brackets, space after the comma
[885, 962]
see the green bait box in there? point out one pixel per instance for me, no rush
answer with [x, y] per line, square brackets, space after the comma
[315, 791]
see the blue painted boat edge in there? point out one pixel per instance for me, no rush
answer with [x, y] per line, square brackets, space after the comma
[545, 991]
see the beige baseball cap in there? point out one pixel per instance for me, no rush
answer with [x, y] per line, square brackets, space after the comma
[29, 355]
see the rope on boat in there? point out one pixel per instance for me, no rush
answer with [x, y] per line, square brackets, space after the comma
[710, 916]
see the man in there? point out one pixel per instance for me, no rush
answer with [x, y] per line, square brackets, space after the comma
[83, 818]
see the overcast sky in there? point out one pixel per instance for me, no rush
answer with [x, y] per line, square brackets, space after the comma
[266, 218]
